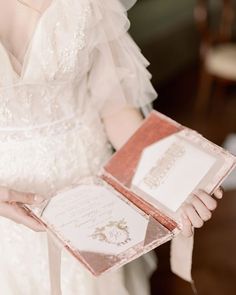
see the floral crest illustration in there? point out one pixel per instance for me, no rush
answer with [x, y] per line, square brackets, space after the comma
[114, 232]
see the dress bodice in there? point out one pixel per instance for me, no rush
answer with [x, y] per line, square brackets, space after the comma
[80, 65]
[53, 71]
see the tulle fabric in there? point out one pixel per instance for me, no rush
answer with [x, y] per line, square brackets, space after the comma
[118, 75]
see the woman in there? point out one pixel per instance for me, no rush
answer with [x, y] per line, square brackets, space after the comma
[72, 85]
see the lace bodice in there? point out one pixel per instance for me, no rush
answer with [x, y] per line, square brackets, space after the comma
[53, 70]
[80, 65]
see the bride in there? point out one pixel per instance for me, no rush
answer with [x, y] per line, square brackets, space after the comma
[73, 86]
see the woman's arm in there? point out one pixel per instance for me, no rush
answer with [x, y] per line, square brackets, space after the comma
[119, 127]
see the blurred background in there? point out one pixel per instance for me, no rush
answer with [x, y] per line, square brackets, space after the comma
[192, 54]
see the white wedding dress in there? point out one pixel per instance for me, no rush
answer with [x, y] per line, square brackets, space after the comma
[80, 65]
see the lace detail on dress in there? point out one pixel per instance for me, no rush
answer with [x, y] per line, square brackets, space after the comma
[29, 105]
[55, 55]
[73, 41]
[5, 113]
[77, 42]
[57, 160]
[53, 129]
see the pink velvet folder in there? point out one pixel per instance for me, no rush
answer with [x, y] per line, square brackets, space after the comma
[133, 205]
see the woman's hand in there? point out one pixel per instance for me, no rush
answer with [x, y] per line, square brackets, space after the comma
[198, 210]
[10, 207]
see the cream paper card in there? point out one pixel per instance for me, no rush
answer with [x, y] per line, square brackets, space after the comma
[170, 169]
[96, 220]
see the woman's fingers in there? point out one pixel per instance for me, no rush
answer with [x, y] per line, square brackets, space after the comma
[13, 196]
[193, 216]
[201, 208]
[218, 193]
[10, 201]
[187, 230]
[19, 215]
[206, 199]
[198, 210]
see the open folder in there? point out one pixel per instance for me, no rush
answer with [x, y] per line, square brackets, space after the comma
[132, 205]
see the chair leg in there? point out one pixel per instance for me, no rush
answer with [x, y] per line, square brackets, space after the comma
[204, 92]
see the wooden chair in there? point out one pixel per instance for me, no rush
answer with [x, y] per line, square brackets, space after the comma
[217, 52]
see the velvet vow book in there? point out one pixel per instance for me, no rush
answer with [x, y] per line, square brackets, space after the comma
[132, 205]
